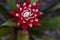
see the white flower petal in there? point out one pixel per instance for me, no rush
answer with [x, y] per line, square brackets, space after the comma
[30, 25]
[31, 21]
[20, 9]
[18, 24]
[36, 19]
[17, 14]
[24, 4]
[33, 10]
[24, 22]
[37, 10]
[27, 19]
[41, 13]
[18, 5]
[25, 7]
[35, 15]
[29, 5]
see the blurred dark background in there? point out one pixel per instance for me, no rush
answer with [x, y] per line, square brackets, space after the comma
[45, 6]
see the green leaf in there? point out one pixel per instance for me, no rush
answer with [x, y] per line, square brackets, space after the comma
[32, 1]
[2, 9]
[53, 22]
[47, 37]
[12, 4]
[47, 23]
[51, 8]
[4, 31]
[4, 12]
[9, 23]
[56, 7]
[13, 37]
[36, 31]
[22, 35]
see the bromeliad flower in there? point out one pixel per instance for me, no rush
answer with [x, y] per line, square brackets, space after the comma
[27, 14]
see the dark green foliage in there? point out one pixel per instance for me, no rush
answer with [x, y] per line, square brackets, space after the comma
[12, 4]
[4, 31]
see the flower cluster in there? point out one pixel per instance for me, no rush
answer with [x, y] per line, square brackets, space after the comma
[27, 14]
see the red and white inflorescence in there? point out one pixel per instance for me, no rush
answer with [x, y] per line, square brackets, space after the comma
[27, 14]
